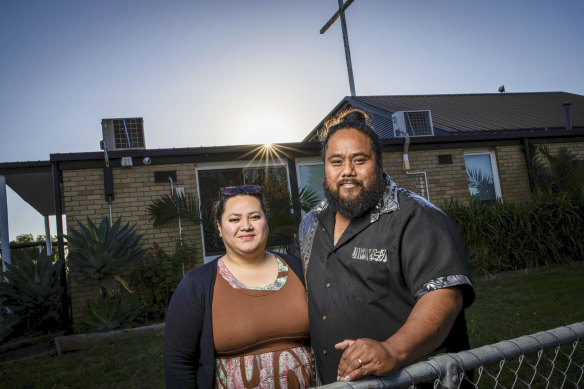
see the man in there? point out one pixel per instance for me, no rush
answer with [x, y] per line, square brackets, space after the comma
[386, 270]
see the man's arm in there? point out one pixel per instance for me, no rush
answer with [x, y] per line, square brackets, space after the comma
[424, 331]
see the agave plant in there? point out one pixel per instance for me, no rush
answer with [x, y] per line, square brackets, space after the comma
[111, 313]
[101, 253]
[32, 295]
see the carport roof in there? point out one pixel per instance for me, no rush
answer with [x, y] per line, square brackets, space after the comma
[33, 182]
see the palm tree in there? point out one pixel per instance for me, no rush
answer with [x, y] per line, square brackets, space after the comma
[555, 174]
[176, 206]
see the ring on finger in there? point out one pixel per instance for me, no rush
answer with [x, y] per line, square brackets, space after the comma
[360, 362]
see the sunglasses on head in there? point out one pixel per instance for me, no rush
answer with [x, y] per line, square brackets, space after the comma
[233, 190]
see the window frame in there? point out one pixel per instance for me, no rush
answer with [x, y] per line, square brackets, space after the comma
[307, 161]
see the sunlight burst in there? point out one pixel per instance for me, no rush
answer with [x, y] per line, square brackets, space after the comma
[268, 154]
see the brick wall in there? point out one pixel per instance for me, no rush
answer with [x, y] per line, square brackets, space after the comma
[134, 189]
[513, 174]
[577, 149]
[444, 181]
[447, 181]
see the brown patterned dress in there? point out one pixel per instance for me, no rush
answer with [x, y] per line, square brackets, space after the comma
[259, 333]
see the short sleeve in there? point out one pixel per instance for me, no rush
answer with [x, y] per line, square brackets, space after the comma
[433, 255]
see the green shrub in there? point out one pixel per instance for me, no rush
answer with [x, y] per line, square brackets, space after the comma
[101, 253]
[500, 236]
[31, 299]
[110, 313]
[559, 174]
[154, 280]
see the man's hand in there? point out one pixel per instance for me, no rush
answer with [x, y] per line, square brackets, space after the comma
[423, 332]
[364, 357]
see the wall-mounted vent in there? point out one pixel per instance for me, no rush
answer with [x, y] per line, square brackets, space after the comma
[415, 123]
[123, 133]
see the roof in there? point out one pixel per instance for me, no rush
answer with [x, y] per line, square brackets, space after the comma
[456, 114]
[33, 182]
[472, 117]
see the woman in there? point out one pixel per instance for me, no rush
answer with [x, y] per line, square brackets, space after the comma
[241, 320]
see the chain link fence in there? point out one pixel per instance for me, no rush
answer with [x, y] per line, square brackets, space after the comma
[548, 359]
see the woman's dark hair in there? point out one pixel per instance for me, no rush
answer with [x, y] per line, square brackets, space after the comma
[222, 199]
[360, 121]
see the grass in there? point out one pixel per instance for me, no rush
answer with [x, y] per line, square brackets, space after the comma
[506, 307]
[132, 364]
[524, 302]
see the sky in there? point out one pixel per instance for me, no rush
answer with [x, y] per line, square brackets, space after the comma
[226, 72]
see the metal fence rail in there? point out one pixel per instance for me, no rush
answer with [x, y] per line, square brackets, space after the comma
[548, 359]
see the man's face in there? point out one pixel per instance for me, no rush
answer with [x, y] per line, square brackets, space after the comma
[353, 181]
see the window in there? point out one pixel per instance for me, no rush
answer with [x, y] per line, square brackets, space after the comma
[310, 175]
[273, 179]
[482, 176]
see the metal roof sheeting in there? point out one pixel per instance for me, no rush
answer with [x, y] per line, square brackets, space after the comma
[470, 113]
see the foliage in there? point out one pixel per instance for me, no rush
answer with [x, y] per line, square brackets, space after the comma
[170, 207]
[32, 295]
[157, 277]
[110, 313]
[24, 238]
[282, 221]
[505, 308]
[102, 252]
[19, 254]
[505, 236]
[545, 230]
[555, 174]
[28, 238]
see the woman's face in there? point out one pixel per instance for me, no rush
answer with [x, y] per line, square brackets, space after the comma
[243, 227]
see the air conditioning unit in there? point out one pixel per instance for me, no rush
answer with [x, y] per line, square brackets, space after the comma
[414, 123]
[123, 133]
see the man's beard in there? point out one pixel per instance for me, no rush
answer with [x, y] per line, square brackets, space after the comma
[359, 205]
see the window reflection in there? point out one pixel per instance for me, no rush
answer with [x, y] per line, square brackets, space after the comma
[480, 177]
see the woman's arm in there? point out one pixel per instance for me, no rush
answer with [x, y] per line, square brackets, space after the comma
[182, 332]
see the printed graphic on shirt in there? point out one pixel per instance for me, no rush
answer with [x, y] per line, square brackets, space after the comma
[365, 254]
